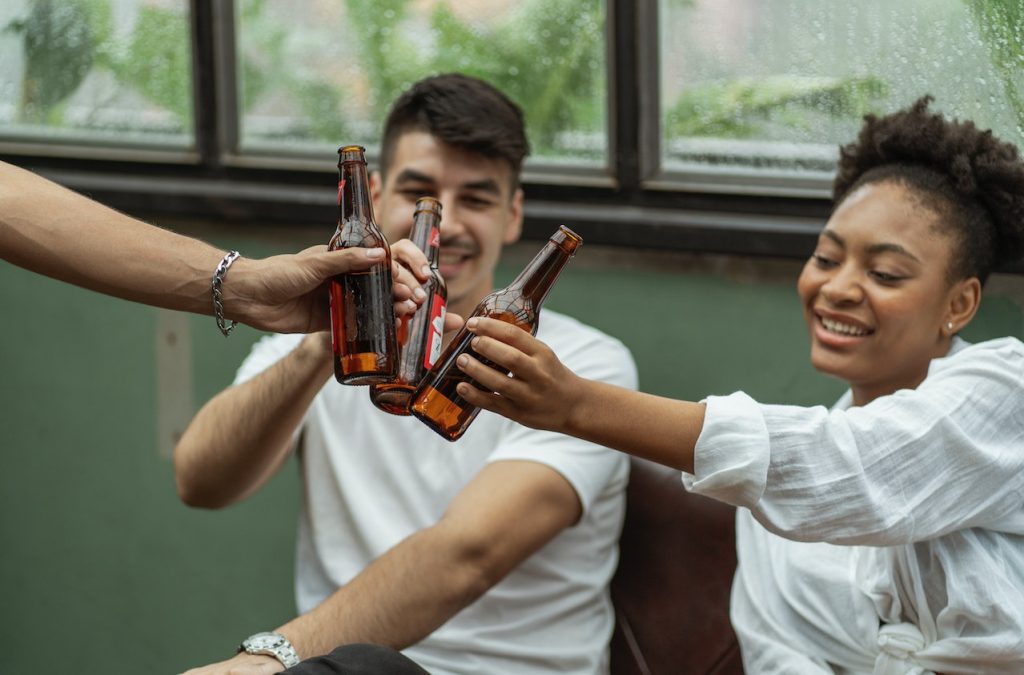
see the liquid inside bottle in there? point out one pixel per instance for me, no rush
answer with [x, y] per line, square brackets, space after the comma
[420, 336]
[363, 332]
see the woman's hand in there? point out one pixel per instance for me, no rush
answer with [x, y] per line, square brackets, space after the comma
[541, 393]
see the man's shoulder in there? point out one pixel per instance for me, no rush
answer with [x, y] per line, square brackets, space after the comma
[265, 352]
[559, 330]
[586, 350]
[279, 341]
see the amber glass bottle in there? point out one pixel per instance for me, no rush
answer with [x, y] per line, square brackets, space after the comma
[419, 337]
[435, 401]
[362, 310]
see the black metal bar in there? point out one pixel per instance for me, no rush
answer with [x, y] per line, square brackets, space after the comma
[623, 94]
[204, 84]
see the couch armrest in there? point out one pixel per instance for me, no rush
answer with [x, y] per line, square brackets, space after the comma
[671, 589]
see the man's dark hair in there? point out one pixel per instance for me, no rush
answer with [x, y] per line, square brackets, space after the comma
[463, 112]
[972, 181]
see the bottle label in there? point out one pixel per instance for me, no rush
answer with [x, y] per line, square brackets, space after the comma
[435, 237]
[435, 331]
[341, 189]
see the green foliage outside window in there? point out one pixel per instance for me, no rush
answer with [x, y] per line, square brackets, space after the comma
[548, 56]
[1001, 23]
[63, 40]
[738, 108]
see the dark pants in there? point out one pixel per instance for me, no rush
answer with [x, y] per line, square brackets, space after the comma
[358, 660]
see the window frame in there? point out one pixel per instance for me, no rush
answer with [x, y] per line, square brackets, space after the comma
[631, 202]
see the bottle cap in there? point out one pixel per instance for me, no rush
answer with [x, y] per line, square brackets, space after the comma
[351, 153]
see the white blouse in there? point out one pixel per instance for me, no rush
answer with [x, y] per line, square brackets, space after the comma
[887, 538]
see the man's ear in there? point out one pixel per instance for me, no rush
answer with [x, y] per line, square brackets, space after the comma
[376, 188]
[514, 224]
[964, 299]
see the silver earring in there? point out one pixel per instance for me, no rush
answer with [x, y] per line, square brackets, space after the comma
[949, 325]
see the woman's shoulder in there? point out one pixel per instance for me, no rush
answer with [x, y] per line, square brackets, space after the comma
[1004, 355]
[997, 348]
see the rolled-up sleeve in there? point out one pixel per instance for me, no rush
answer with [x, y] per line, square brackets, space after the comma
[906, 467]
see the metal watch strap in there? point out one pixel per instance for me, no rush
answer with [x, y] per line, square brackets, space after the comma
[271, 644]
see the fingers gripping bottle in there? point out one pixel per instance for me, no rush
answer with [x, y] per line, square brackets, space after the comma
[435, 401]
[419, 337]
[362, 311]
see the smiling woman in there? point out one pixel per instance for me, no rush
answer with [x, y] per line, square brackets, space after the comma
[877, 295]
[883, 535]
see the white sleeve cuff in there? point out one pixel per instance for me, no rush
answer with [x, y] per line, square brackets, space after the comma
[732, 453]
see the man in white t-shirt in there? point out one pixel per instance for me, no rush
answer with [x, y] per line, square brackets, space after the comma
[488, 555]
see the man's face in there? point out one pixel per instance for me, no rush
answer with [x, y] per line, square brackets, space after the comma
[480, 210]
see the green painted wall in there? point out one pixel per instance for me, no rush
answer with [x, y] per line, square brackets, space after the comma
[102, 566]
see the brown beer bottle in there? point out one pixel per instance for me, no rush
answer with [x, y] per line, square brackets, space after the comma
[362, 314]
[435, 401]
[419, 337]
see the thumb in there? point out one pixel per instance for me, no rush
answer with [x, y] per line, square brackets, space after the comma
[328, 263]
[452, 321]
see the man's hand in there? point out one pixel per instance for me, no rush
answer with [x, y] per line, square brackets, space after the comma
[243, 664]
[288, 293]
[414, 264]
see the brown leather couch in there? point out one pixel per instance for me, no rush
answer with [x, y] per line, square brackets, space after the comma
[671, 590]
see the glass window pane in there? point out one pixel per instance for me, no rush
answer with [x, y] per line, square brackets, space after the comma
[325, 73]
[112, 71]
[780, 83]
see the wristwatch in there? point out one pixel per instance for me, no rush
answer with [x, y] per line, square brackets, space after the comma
[271, 644]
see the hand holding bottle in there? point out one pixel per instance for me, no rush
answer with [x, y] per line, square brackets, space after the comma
[436, 401]
[410, 270]
[541, 393]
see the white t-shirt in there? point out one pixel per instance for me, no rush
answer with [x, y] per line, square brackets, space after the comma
[372, 479]
[887, 538]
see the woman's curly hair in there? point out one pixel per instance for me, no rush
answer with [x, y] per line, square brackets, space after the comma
[970, 179]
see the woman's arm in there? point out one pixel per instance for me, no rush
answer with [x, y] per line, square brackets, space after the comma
[907, 467]
[544, 394]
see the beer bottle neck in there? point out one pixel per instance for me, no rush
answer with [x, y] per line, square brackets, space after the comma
[426, 235]
[353, 191]
[536, 280]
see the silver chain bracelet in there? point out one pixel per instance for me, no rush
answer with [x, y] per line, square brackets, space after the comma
[218, 281]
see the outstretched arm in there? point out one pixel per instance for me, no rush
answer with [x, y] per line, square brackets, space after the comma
[505, 514]
[53, 231]
[544, 394]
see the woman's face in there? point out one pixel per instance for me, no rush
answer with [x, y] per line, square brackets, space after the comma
[876, 295]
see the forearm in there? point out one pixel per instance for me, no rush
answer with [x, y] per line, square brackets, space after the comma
[506, 514]
[243, 435]
[398, 600]
[660, 429]
[51, 230]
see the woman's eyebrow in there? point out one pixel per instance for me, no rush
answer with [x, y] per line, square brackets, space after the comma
[884, 247]
[892, 248]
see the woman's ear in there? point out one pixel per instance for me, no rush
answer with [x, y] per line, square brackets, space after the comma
[964, 299]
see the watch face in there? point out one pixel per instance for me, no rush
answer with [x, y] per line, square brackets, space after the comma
[271, 644]
[263, 641]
